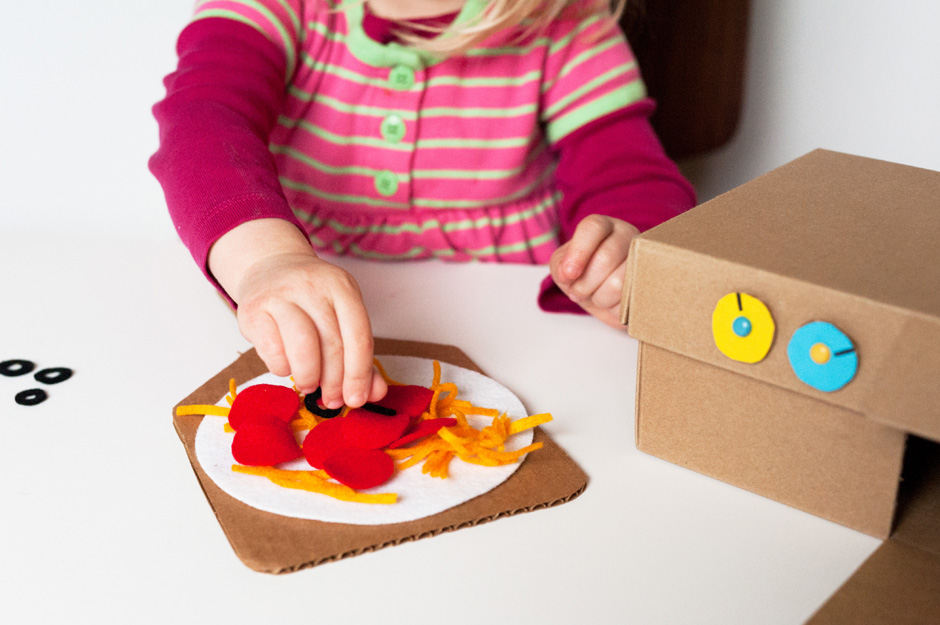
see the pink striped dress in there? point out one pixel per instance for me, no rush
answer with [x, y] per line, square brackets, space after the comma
[386, 152]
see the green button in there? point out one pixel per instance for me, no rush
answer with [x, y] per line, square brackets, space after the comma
[386, 183]
[393, 128]
[401, 77]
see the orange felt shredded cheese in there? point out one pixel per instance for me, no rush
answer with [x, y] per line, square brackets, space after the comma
[384, 374]
[305, 420]
[217, 411]
[483, 447]
[529, 422]
[315, 482]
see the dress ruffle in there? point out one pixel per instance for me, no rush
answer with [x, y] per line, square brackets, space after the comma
[525, 231]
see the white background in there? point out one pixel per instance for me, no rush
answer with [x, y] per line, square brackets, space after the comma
[102, 520]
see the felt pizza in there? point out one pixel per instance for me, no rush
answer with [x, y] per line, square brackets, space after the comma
[441, 436]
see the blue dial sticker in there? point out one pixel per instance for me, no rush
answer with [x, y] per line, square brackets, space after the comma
[822, 356]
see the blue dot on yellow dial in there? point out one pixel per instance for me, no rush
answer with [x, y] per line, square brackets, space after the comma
[822, 356]
[742, 327]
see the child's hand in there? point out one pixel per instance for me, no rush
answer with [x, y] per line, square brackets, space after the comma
[304, 316]
[590, 267]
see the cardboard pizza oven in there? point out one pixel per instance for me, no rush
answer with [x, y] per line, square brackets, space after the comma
[789, 338]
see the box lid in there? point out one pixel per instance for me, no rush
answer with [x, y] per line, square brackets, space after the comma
[828, 237]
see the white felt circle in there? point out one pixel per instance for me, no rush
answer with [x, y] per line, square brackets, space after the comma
[419, 495]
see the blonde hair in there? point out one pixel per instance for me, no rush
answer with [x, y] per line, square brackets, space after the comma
[527, 17]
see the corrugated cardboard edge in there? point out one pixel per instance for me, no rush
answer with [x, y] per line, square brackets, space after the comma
[275, 544]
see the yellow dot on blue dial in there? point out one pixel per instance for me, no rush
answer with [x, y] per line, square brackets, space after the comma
[820, 353]
[822, 356]
[742, 327]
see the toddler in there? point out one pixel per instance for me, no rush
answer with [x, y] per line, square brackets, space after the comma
[495, 130]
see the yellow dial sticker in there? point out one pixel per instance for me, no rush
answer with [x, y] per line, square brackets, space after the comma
[742, 327]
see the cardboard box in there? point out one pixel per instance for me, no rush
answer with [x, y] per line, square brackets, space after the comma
[840, 418]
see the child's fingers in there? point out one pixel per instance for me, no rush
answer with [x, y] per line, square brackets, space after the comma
[609, 293]
[573, 258]
[358, 349]
[379, 387]
[332, 367]
[302, 344]
[260, 329]
[602, 275]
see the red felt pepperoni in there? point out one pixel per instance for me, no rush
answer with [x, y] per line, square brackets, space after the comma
[263, 400]
[360, 468]
[408, 400]
[423, 429]
[368, 430]
[264, 442]
[324, 440]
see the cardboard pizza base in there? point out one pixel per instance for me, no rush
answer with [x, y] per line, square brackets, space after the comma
[271, 543]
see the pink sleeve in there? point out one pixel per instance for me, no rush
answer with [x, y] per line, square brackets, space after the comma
[615, 166]
[213, 161]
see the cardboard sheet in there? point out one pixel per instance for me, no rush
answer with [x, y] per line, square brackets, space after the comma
[277, 544]
[418, 494]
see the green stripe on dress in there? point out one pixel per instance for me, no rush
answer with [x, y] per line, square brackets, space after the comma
[286, 39]
[335, 139]
[446, 111]
[509, 50]
[309, 161]
[521, 246]
[567, 39]
[486, 144]
[491, 250]
[404, 146]
[595, 109]
[587, 87]
[343, 198]
[344, 107]
[480, 174]
[434, 223]
[337, 71]
[519, 193]
[294, 18]
[457, 81]
[585, 56]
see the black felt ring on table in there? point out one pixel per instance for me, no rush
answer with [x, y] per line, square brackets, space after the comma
[310, 403]
[53, 375]
[13, 368]
[31, 397]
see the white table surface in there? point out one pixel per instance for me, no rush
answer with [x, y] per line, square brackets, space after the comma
[103, 520]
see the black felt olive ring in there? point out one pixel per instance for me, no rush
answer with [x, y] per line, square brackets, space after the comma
[310, 403]
[31, 397]
[13, 368]
[53, 375]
